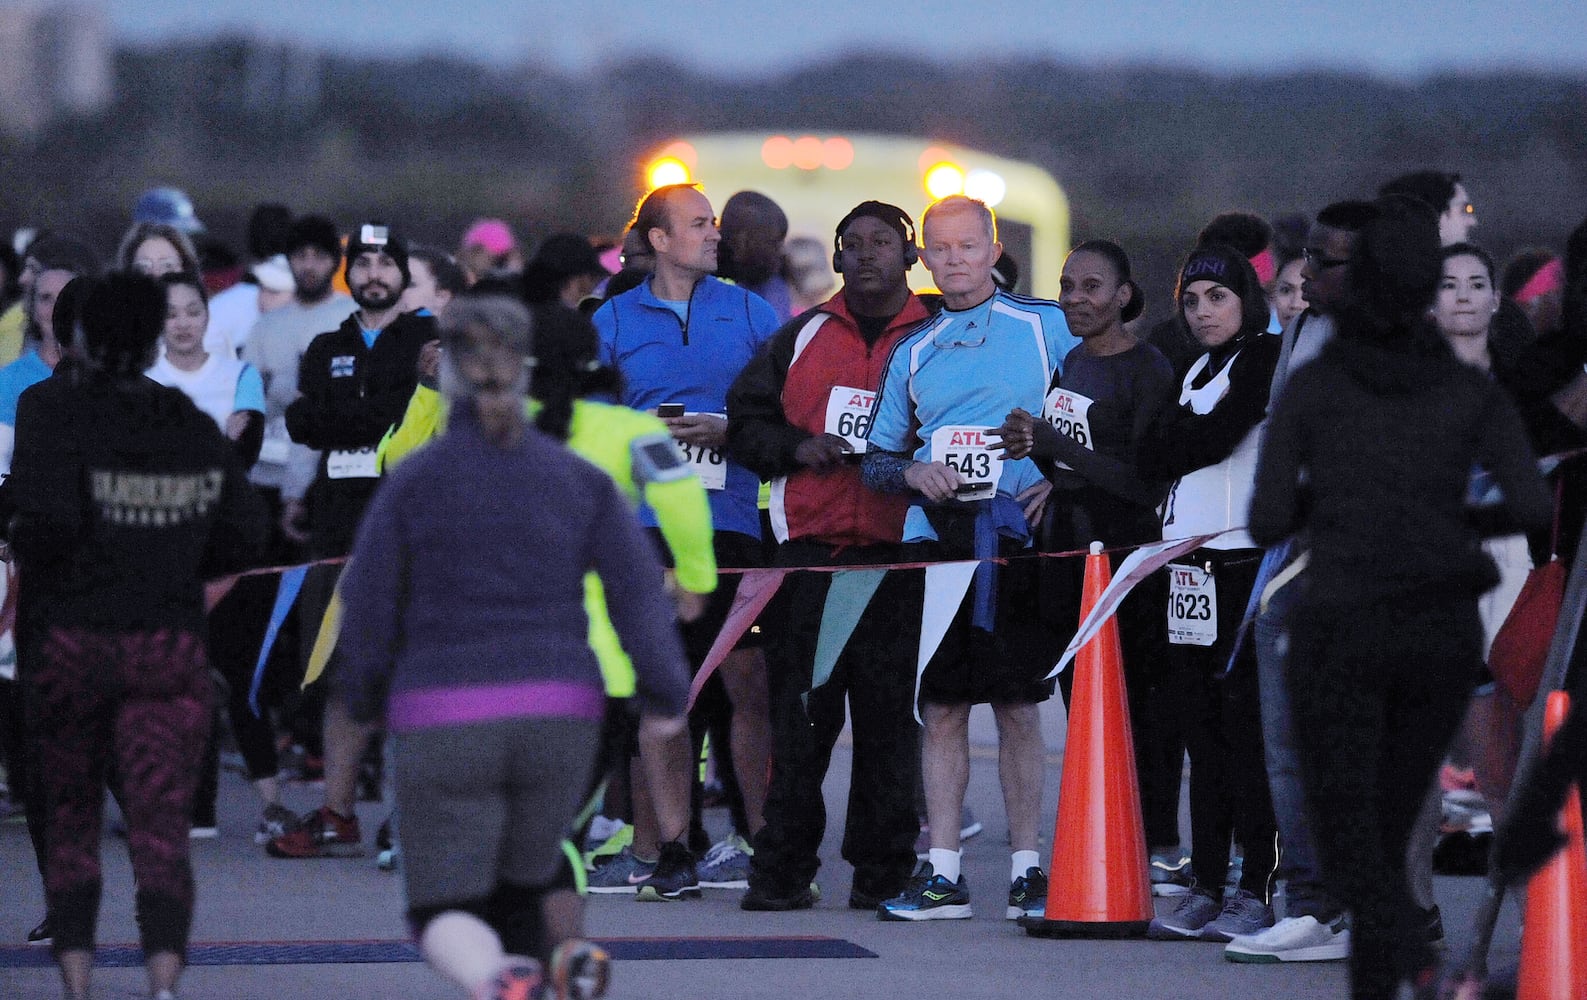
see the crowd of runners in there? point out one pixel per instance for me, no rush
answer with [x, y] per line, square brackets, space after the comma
[514, 495]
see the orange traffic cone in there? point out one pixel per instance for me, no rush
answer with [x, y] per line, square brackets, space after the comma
[1554, 942]
[1097, 882]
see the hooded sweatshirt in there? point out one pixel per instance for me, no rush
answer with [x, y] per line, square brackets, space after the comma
[1386, 433]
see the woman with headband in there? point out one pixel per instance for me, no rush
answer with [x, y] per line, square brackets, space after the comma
[1207, 445]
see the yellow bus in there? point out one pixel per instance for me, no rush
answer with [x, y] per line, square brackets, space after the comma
[817, 177]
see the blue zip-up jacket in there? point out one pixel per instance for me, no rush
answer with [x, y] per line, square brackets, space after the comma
[693, 362]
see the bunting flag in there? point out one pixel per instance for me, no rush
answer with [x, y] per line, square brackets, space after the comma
[325, 639]
[286, 596]
[847, 598]
[756, 588]
[215, 591]
[1137, 566]
[946, 584]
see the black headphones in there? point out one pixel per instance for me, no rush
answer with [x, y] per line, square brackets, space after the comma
[889, 214]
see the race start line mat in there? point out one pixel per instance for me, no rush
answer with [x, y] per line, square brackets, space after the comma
[630, 949]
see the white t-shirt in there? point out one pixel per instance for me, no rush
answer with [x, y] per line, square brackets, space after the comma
[220, 387]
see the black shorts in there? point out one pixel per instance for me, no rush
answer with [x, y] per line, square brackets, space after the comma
[1007, 665]
[733, 551]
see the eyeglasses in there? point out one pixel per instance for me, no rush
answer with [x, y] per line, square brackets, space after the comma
[946, 340]
[1318, 262]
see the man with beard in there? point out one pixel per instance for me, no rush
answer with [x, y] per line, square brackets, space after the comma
[354, 384]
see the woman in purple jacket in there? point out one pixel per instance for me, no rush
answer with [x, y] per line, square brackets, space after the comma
[465, 628]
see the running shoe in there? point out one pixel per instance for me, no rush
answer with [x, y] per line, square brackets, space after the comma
[1170, 872]
[674, 878]
[928, 896]
[276, 821]
[1195, 910]
[320, 834]
[1028, 895]
[209, 832]
[43, 935]
[1243, 913]
[580, 970]
[621, 872]
[620, 838]
[1293, 939]
[769, 900]
[520, 978]
[726, 864]
[389, 859]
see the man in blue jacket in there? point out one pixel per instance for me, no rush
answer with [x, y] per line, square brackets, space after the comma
[679, 340]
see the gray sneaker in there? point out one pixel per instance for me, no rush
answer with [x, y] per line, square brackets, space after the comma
[726, 864]
[622, 872]
[1243, 914]
[1195, 910]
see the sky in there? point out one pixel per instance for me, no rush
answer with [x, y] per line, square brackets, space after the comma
[748, 38]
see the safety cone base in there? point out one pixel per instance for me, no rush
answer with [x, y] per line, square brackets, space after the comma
[1041, 927]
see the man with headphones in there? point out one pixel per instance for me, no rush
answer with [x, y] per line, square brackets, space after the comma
[798, 416]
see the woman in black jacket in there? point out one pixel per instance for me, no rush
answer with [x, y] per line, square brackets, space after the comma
[1368, 456]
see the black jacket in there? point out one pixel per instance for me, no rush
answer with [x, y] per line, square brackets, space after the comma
[125, 497]
[1369, 455]
[353, 394]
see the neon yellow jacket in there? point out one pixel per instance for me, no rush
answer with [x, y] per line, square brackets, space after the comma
[607, 437]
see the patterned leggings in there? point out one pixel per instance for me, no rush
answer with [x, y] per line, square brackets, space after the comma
[139, 700]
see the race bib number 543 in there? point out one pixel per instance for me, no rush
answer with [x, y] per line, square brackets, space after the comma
[1192, 606]
[969, 452]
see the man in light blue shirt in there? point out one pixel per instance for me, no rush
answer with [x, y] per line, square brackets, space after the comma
[946, 387]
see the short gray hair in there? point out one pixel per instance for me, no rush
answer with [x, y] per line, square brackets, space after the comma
[961, 203]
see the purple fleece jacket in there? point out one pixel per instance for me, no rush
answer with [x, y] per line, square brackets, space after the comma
[464, 598]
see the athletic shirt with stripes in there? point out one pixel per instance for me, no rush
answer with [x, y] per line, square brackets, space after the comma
[969, 368]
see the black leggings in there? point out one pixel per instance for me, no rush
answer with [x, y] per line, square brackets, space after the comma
[1223, 732]
[236, 631]
[1377, 693]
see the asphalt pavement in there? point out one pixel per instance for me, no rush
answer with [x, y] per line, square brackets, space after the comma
[248, 898]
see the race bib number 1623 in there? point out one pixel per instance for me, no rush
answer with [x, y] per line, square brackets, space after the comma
[1192, 606]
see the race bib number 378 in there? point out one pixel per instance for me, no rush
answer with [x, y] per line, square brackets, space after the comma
[708, 464]
[1192, 606]
[969, 452]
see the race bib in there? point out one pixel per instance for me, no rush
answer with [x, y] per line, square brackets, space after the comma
[969, 451]
[849, 415]
[708, 463]
[277, 444]
[1067, 411]
[355, 463]
[1192, 606]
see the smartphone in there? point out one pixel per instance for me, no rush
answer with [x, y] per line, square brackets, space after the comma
[669, 411]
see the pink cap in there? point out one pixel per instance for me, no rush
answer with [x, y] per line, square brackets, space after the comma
[612, 259]
[492, 234]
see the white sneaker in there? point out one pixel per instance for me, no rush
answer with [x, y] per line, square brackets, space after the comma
[1293, 939]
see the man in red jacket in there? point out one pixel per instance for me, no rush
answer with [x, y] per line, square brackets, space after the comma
[798, 416]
